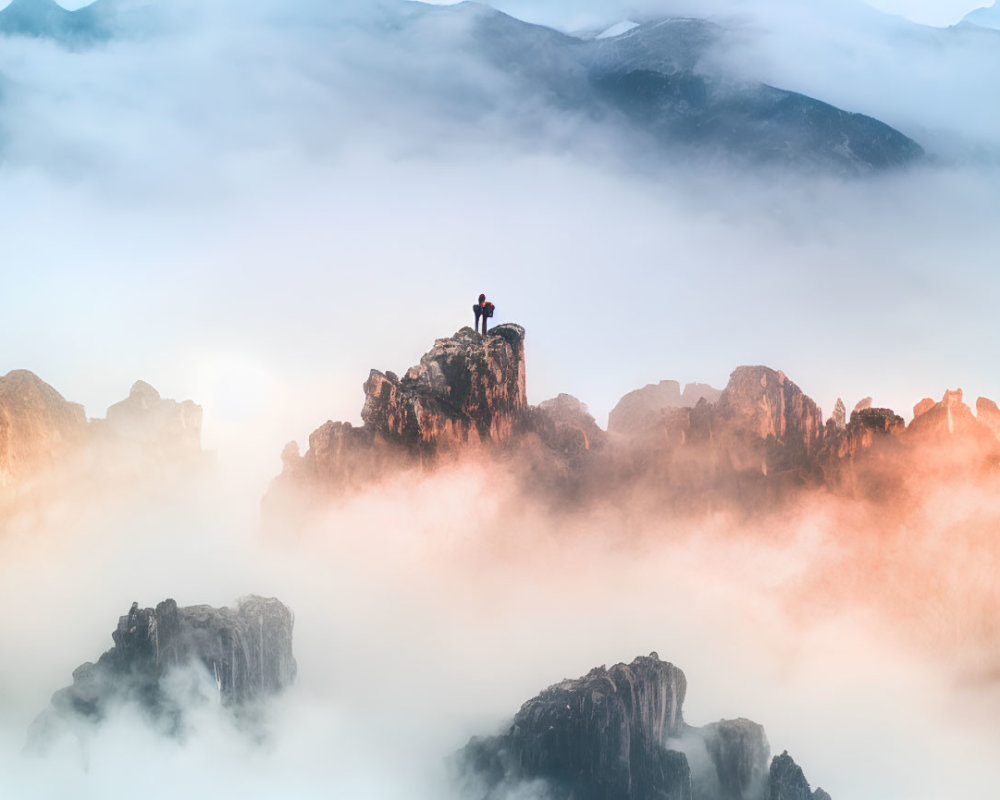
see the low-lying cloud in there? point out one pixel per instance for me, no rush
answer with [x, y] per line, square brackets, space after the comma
[428, 610]
[261, 204]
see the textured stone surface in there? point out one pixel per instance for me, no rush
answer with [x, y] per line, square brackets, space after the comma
[157, 425]
[595, 737]
[950, 417]
[759, 444]
[467, 388]
[644, 408]
[38, 427]
[46, 438]
[618, 734]
[867, 425]
[246, 651]
[786, 781]
[565, 424]
[923, 407]
[739, 753]
[988, 414]
[467, 392]
[766, 422]
[839, 415]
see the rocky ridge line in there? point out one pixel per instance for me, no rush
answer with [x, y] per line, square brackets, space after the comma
[761, 438]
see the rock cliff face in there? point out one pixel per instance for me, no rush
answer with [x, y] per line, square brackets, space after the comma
[644, 408]
[739, 752]
[565, 425]
[765, 422]
[751, 446]
[788, 783]
[619, 734]
[468, 391]
[38, 427]
[46, 438]
[246, 652]
[157, 425]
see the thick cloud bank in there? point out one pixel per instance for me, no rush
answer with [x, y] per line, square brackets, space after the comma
[251, 204]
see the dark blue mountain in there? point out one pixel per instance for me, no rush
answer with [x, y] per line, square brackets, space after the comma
[46, 18]
[658, 82]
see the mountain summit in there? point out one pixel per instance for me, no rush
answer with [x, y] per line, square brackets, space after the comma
[761, 438]
[659, 83]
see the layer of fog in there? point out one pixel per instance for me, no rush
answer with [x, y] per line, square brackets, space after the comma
[427, 612]
[254, 214]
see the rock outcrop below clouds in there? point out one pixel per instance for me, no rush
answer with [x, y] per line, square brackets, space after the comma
[620, 733]
[761, 438]
[244, 654]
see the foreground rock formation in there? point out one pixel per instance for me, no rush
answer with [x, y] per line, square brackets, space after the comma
[619, 734]
[245, 651]
[467, 391]
[759, 441]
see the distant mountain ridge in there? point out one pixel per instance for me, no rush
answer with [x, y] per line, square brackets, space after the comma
[655, 81]
[985, 17]
[48, 19]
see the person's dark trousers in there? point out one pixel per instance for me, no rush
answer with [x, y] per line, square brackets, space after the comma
[478, 312]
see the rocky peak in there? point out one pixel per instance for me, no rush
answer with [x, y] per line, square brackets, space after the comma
[949, 417]
[599, 736]
[246, 651]
[788, 783]
[468, 391]
[644, 408]
[619, 733]
[38, 427]
[923, 407]
[565, 424]
[45, 439]
[988, 414]
[766, 421]
[839, 416]
[155, 424]
[467, 388]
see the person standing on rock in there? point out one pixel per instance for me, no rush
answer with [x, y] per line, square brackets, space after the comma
[484, 310]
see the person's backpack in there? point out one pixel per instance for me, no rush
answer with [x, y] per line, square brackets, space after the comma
[488, 310]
